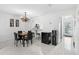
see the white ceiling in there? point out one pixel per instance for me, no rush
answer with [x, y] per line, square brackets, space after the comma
[33, 10]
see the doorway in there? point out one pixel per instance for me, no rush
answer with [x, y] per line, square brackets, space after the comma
[67, 32]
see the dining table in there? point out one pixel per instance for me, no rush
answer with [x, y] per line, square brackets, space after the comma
[23, 35]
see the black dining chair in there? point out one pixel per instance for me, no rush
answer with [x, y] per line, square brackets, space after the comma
[19, 31]
[16, 39]
[30, 36]
[20, 37]
[27, 41]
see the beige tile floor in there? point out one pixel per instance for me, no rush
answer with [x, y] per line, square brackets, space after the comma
[37, 48]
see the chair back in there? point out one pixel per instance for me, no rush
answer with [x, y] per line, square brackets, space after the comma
[19, 32]
[15, 36]
[29, 35]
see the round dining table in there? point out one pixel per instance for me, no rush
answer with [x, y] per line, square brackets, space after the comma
[24, 35]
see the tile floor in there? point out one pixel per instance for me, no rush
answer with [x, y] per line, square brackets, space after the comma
[37, 48]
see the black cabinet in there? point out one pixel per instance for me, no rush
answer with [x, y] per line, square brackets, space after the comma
[54, 37]
[49, 37]
[46, 37]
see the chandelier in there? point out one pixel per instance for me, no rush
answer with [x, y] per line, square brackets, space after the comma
[24, 18]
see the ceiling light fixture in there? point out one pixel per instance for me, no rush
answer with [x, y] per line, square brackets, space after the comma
[24, 18]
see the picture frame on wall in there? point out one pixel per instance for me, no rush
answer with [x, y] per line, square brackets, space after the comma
[17, 23]
[11, 22]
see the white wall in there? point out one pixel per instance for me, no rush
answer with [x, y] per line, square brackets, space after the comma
[76, 35]
[76, 31]
[6, 32]
[4, 27]
[47, 22]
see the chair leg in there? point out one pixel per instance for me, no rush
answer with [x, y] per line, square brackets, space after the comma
[31, 41]
[23, 43]
[16, 43]
[27, 43]
[20, 41]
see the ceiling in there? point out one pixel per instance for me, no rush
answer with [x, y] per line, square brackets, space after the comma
[33, 10]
